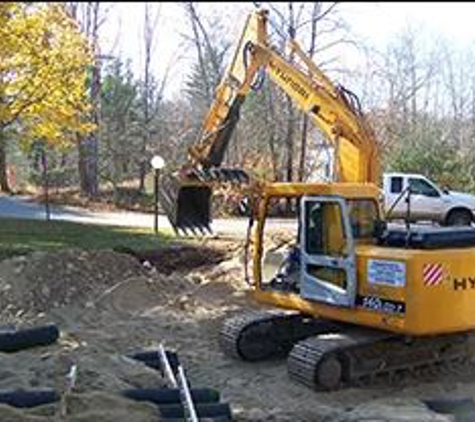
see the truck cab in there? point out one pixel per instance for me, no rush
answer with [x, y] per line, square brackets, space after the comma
[428, 202]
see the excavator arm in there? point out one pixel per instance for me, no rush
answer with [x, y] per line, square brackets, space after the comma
[223, 114]
[186, 195]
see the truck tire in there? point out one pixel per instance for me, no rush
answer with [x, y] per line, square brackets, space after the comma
[459, 217]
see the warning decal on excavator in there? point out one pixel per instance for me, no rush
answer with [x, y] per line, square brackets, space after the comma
[389, 273]
[433, 274]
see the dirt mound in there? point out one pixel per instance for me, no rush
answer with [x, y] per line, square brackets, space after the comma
[137, 296]
[40, 282]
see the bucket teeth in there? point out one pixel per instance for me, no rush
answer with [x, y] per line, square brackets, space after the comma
[220, 175]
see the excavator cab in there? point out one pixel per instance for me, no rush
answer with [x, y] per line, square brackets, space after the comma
[332, 220]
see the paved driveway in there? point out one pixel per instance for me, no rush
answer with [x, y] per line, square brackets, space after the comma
[22, 207]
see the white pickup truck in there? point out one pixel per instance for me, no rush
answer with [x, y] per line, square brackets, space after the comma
[428, 201]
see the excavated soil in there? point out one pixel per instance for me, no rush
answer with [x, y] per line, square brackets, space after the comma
[111, 303]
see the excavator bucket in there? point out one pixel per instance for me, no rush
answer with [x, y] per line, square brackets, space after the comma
[187, 202]
[188, 207]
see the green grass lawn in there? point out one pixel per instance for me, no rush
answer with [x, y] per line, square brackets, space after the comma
[19, 236]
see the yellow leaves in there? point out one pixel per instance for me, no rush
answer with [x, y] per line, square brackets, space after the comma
[43, 64]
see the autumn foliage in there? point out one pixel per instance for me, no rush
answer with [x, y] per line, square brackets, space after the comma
[44, 60]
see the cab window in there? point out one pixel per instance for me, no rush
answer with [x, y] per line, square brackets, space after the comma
[325, 230]
[422, 187]
[363, 217]
[396, 184]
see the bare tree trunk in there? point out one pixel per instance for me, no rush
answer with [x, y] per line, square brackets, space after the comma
[88, 146]
[270, 123]
[303, 149]
[289, 141]
[148, 38]
[150, 24]
[289, 136]
[4, 185]
[206, 38]
[201, 59]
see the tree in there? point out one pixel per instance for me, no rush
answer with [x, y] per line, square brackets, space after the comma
[421, 96]
[429, 154]
[90, 16]
[151, 91]
[210, 46]
[43, 60]
[119, 130]
[318, 14]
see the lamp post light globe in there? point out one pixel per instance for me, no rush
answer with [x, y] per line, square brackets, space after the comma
[157, 162]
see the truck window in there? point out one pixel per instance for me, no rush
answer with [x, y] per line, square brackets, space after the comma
[422, 187]
[396, 184]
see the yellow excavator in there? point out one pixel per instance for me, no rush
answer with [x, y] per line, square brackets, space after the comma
[357, 299]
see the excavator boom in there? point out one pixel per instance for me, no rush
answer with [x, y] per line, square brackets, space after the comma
[186, 195]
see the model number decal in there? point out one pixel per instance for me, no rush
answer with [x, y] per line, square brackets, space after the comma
[382, 305]
[386, 272]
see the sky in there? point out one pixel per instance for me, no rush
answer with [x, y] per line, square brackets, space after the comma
[373, 22]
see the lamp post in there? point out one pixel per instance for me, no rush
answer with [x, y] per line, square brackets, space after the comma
[157, 163]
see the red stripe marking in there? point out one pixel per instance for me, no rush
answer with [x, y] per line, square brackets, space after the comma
[433, 274]
[435, 278]
[428, 268]
[434, 270]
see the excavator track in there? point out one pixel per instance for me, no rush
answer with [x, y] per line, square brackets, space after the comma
[261, 335]
[361, 356]
[327, 355]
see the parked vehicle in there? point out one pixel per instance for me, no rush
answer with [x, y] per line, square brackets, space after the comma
[428, 201]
